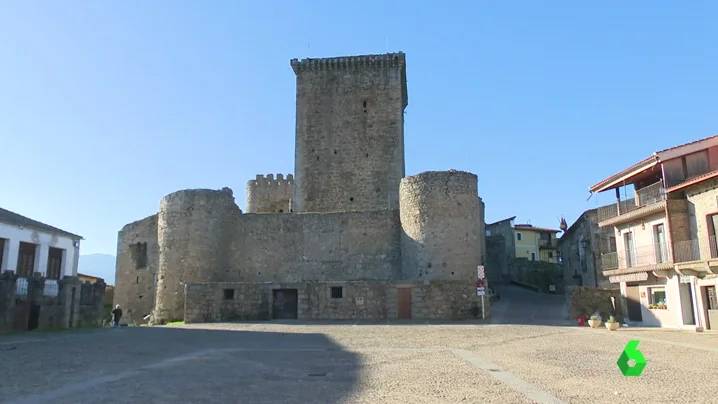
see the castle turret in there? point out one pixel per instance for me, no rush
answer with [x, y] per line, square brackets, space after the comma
[440, 217]
[194, 229]
[349, 146]
[270, 195]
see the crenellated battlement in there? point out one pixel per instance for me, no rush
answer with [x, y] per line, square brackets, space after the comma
[269, 180]
[270, 194]
[349, 62]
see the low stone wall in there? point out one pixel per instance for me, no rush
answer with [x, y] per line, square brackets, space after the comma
[36, 302]
[584, 301]
[538, 274]
[370, 300]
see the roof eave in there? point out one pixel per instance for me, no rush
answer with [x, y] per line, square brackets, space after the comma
[619, 178]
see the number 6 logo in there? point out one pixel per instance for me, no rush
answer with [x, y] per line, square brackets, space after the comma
[631, 352]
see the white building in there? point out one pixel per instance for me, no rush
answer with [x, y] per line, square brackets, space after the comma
[28, 247]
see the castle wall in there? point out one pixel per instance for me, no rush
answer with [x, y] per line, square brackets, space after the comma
[270, 195]
[315, 246]
[137, 268]
[361, 300]
[349, 150]
[194, 230]
[440, 217]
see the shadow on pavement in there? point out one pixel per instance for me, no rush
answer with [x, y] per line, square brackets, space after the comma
[167, 364]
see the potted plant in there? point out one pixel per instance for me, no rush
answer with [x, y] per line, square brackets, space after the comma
[595, 320]
[612, 324]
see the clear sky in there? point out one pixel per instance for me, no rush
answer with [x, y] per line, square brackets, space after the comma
[105, 107]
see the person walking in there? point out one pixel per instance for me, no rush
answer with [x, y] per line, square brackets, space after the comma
[116, 316]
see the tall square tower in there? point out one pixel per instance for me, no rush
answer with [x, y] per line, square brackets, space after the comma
[349, 150]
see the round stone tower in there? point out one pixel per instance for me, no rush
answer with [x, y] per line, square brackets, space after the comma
[441, 220]
[194, 229]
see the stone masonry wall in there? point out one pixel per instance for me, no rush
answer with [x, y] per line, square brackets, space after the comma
[194, 232]
[62, 304]
[135, 287]
[702, 201]
[269, 194]
[440, 218]
[315, 246]
[349, 144]
[584, 301]
[678, 216]
[205, 302]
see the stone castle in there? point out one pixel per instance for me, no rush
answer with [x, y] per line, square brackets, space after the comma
[347, 237]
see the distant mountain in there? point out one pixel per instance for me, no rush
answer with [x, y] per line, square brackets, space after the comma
[100, 265]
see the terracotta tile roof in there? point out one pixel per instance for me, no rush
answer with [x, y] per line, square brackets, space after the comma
[647, 163]
[655, 157]
[687, 144]
[693, 181]
[15, 219]
[530, 227]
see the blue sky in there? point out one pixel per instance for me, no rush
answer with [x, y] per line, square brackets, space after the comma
[105, 107]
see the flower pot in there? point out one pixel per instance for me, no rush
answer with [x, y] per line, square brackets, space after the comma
[613, 326]
[594, 323]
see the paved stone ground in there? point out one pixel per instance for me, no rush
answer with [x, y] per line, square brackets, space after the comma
[289, 362]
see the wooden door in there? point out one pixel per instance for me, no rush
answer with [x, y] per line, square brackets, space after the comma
[285, 304]
[633, 303]
[404, 297]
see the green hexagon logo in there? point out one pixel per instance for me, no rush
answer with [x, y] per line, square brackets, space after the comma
[631, 352]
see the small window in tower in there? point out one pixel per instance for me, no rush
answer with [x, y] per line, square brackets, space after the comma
[364, 104]
[351, 199]
[138, 251]
[366, 155]
[335, 151]
[337, 292]
[281, 210]
[229, 294]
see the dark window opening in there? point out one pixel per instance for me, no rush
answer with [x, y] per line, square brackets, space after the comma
[550, 254]
[2, 250]
[366, 155]
[281, 210]
[337, 292]
[137, 280]
[54, 263]
[26, 259]
[139, 255]
[335, 151]
[428, 265]
[518, 236]
[317, 158]
[139, 297]
[452, 273]
[229, 294]
[351, 199]
[364, 105]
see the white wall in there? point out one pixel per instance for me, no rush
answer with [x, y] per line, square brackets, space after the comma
[14, 235]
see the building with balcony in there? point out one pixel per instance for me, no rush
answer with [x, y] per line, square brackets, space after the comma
[656, 232]
[580, 248]
[536, 243]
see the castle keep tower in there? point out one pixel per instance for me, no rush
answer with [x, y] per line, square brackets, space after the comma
[349, 150]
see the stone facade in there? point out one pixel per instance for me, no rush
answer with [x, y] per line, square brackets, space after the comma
[502, 255]
[349, 146]
[584, 301]
[269, 194]
[40, 303]
[581, 246]
[360, 300]
[137, 269]
[355, 219]
[702, 202]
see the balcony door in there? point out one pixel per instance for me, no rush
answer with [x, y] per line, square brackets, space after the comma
[630, 251]
[659, 238]
[712, 227]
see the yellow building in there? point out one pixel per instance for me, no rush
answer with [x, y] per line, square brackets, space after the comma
[536, 243]
[109, 289]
